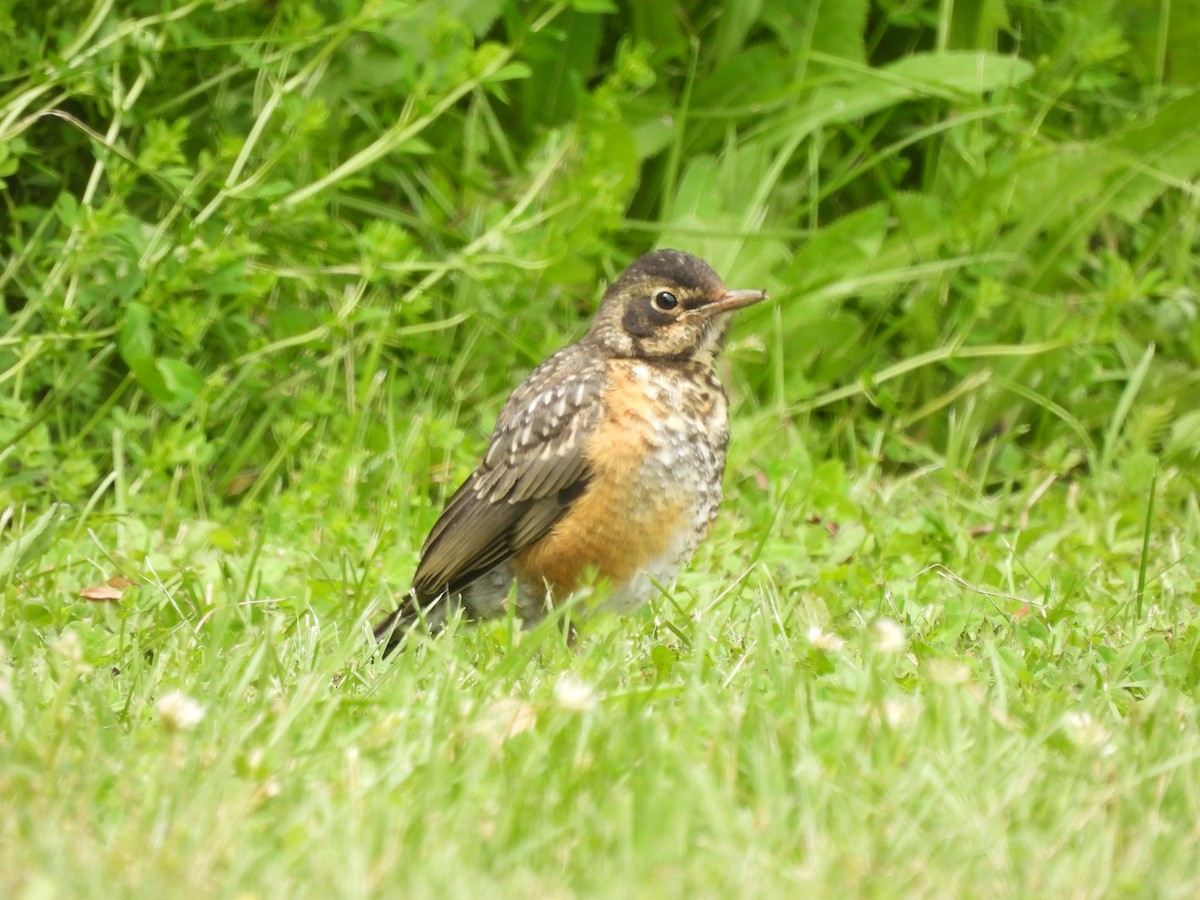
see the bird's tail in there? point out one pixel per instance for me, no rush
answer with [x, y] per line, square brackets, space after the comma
[391, 631]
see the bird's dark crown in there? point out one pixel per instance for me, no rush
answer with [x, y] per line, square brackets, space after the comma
[667, 305]
[669, 268]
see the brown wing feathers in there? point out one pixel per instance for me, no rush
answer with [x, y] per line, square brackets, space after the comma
[534, 468]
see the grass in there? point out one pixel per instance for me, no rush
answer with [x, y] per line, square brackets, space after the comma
[863, 684]
[270, 274]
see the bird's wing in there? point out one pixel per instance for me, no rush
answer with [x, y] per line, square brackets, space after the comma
[533, 470]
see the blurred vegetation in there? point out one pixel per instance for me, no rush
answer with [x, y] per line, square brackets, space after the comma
[235, 232]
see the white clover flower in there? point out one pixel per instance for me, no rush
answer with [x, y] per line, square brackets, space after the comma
[948, 672]
[824, 640]
[179, 712]
[68, 652]
[67, 646]
[575, 694]
[892, 712]
[1084, 731]
[889, 636]
[897, 713]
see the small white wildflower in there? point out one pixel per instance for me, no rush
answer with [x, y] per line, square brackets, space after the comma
[69, 654]
[574, 693]
[1084, 731]
[889, 636]
[824, 640]
[948, 672]
[896, 713]
[179, 712]
[1077, 724]
[68, 647]
[892, 712]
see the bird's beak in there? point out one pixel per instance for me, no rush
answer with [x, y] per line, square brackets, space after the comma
[729, 301]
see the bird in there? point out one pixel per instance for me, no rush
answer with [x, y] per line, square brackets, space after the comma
[605, 464]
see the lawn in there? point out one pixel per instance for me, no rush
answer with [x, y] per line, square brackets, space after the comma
[269, 273]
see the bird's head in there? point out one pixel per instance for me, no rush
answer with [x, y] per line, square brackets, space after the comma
[667, 305]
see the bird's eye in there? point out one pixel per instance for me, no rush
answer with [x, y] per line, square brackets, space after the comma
[665, 301]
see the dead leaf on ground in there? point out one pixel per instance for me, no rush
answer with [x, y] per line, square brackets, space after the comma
[241, 483]
[102, 593]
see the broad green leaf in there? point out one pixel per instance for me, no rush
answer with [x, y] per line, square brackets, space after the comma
[1066, 190]
[1184, 442]
[698, 195]
[67, 208]
[1164, 38]
[838, 28]
[959, 71]
[478, 15]
[182, 380]
[28, 544]
[924, 75]
[511, 72]
[146, 372]
[561, 62]
[136, 340]
[843, 248]
[975, 25]
[733, 24]
[659, 25]
[755, 75]
[1158, 156]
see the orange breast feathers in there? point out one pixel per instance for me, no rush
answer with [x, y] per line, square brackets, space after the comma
[625, 517]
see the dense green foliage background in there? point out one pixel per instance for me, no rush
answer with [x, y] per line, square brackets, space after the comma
[231, 234]
[270, 269]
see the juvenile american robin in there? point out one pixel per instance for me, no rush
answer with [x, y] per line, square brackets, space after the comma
[606, 463]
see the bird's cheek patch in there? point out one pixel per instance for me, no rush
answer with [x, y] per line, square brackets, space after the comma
[643, 321]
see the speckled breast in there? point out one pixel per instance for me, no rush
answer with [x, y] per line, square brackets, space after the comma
[656, 461]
